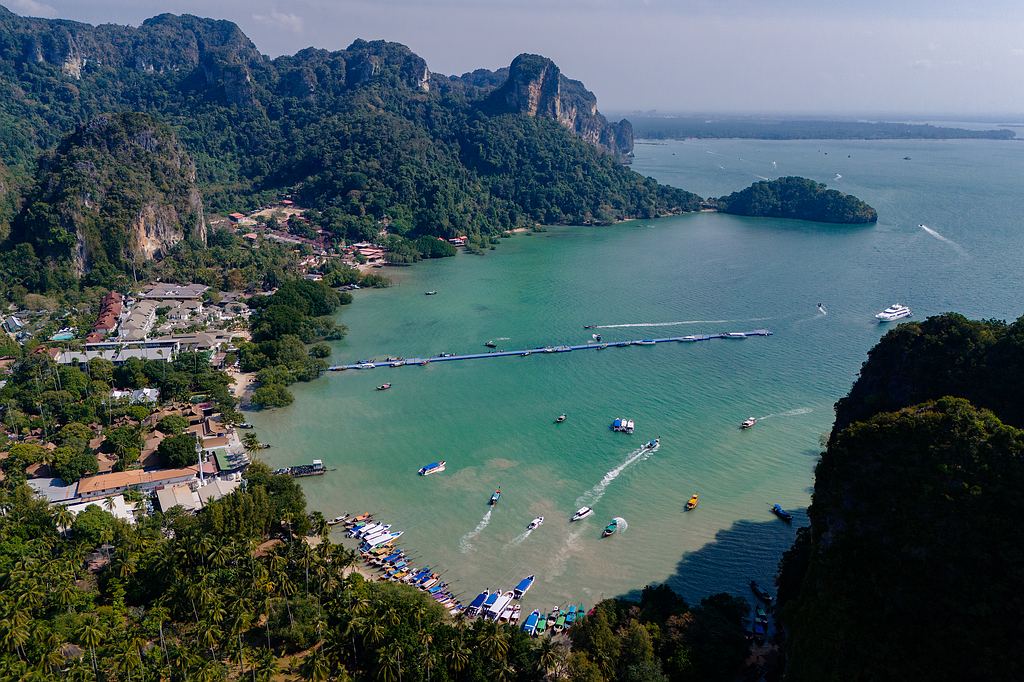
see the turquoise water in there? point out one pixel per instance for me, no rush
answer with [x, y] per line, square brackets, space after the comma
[492, 419]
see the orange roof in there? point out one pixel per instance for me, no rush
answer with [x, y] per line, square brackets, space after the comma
[121, 479]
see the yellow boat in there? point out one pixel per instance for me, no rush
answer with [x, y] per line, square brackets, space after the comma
[692, 504]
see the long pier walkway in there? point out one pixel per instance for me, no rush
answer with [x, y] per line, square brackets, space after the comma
[448, 357]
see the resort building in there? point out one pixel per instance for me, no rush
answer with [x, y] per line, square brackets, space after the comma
[106, 485]
[167, 291]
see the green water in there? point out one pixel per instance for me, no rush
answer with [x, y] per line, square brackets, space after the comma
[492, 419]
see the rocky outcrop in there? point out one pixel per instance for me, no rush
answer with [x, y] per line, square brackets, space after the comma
[536, 87]
[119, 190]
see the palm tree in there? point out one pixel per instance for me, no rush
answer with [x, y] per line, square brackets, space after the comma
[457, 654]
[92, 636]
[62, 518]
[14, 631]
[550, 658]
[252, 444]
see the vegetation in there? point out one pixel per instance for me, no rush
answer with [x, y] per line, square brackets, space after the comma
[909, 567]
[799, 198]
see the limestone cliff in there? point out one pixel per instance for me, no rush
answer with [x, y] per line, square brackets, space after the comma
[119, 190]
[536, 87]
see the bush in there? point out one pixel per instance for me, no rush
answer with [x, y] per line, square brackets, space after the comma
[178, 451]
[272, 395]
[172, 424]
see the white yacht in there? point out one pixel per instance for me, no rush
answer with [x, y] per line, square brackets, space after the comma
[535, 523]
[894, 312]
[582, 513]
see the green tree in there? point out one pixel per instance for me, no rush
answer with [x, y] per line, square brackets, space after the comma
[178, 451]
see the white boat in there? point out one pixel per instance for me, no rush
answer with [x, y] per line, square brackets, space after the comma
[734, 335]
[646, 342]
[433, 468]
[691, 337]
[748, 422]
[496, 609]
[581, 513]
[651, 444]
[366, 365]
[623, 425]
[894, 312]
[535, 523]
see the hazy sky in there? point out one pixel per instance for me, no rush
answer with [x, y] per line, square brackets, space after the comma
[803, 56]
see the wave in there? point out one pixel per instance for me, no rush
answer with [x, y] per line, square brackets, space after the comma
[594, 495]
[942, 238]
[465, 543]
[676, 324]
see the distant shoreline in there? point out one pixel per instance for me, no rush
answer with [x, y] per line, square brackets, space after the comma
[653, 128]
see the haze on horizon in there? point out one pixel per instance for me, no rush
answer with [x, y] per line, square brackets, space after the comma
[726, 56]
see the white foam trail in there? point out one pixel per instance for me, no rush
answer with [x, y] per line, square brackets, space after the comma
[838, 177]
[620, 524]
[518, 540]
[466, 544]
[774, 165]
[561, 558]
[502, 338]
[759, 177]
[594, 495]
[676, 324]
[942, 238]
[788, 413]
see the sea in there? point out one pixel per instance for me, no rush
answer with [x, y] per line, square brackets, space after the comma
[950, 237]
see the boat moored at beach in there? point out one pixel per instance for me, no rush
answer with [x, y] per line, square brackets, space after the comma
[621, 425]
[553, 616]
[897, 311]
[530, 626]
[748, 422]
[524, 585]
[691, 504]
[760, 593]
[571, 616]
[610, 528]
[433, 468]
[494, 497]
[581, 513]
[535, 523]
[477, 603]
[781, 513]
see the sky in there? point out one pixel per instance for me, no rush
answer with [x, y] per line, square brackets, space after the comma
[839, 57]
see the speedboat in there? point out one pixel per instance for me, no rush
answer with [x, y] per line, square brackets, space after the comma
[383, 387]
[446, 355]
[549, 349]
[424, 362]
[535, 523]
[691, 337]
[524, 353]
[623, 425]
[563, 349]
[734, 335]
[897, 311]
[651, 444]
[610, 528]
[646, 342]
[581, 513]
[430, 293]
[398, 363]
[596, 337]
[760, 593]
[590, 326]
[491, 344]
[245, 425]
[366, 365]
[748, 422]
[691, 504]
[781, 513]
[561, 418]
[432, 468]
[525, 584]
[821, 309]
[530, 626]
[494, 497]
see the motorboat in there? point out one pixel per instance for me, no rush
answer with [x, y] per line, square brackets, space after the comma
[525, 584]
[691, 337]
[897, 311]
[491, 344]
[398, 363]
[610, 528]
[530, 626]
[646, 342]
[337, 519]
[553, 616]
[581, 513]
[524, 353]
[734, 335]
[498, 607]
[383, 387]
[560, 418]
[432, 468]
[596, 337]
[559, 623]
[563, 349]
[748, 422]
[430, 293]
[590, 326]
[446, 355]
[571, 616]
[535, 523]
[691, 504]
[651, 444]
[494, 497]
[477, 603]
[489, 602]
[761, 593]
[781, 513]
[542, 624]
[623, 425]
[424, 362]
[549, 349]
[245, 425]
[602, 346]
[821, 309]
[366, 365]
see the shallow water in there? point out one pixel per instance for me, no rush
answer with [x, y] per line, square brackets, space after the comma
[492, 419]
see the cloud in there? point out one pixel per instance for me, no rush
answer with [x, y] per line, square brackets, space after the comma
[1017, 51]
[285, 20]
[32, 8]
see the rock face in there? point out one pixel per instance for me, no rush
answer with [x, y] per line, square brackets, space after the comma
[536, 87]
[118, 191]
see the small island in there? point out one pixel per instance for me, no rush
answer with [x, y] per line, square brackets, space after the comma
[797, 198]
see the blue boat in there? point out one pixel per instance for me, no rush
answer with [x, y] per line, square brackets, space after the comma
[525, 584]
[491, 599]
[571, 616]
[781, 513]
[530, 626]
[494, 497]
[477, 602]
[432, 468]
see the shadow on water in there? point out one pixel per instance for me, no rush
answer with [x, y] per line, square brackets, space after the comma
[747, 550]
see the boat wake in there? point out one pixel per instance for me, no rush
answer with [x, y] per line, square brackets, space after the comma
[942, 238]
[620, 524]
[788, 413]
[518, 540]
[594, 495]
[759, 177]
[675, 324]
[466, 543]
[502, 338]
[838, 177]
